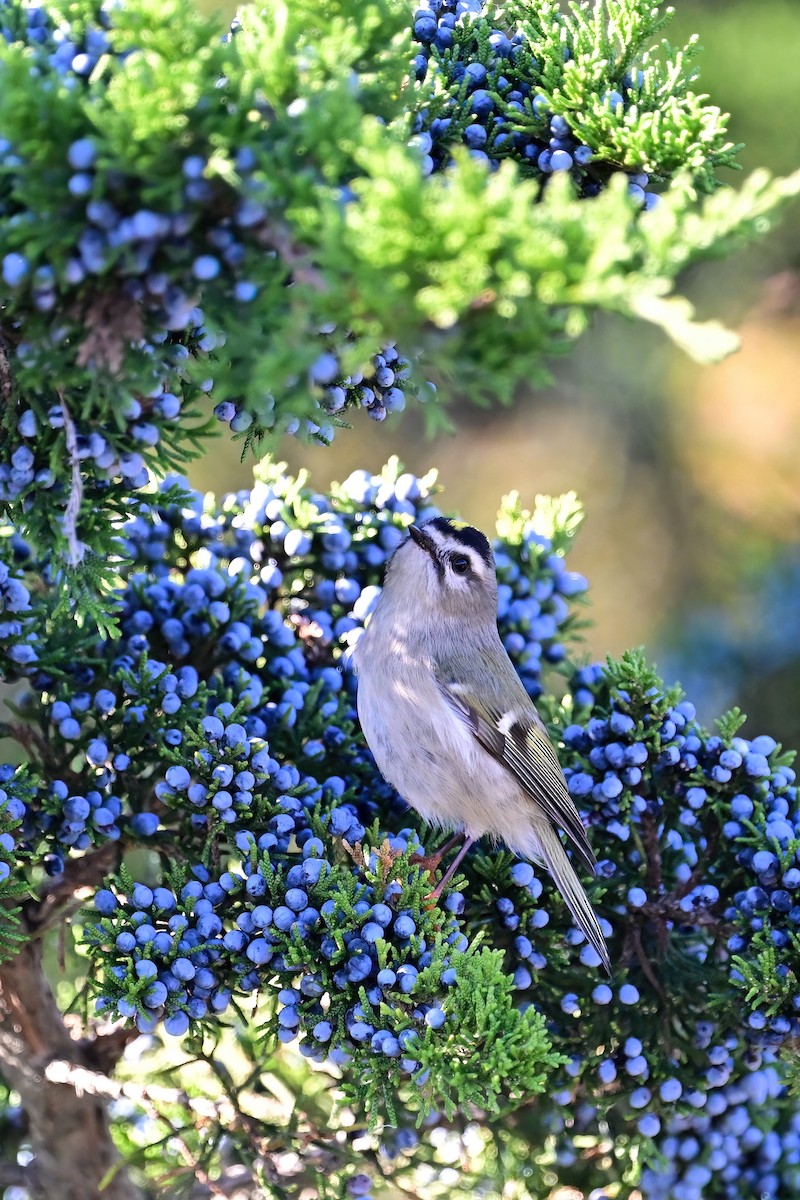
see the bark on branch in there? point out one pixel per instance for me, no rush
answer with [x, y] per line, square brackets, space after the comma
[68, 1128]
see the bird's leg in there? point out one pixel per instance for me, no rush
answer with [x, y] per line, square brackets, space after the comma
[451, 870]
[430, 862]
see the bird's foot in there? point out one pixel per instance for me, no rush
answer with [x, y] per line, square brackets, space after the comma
[432, 862]
[451, 870]
[426, 862]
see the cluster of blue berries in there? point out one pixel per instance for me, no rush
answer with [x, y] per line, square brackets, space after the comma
[150, 249]
[763, 830]
[487, 99]
[535, 595]
[518, 904]
[627, 752]
[223, 772]
[350, 958]
[738, 1140]
[16, 791]
[380, 389]
[722, 811]
[224, 717]
[137, 241]
[19, 473]
[167, 946]
[18, 638]
[120, 454]
[57, 45]
[720, 1061]
[65, 821]
[286, 534]
[722, 1126]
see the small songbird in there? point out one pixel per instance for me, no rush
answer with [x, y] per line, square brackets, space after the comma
[450, 725]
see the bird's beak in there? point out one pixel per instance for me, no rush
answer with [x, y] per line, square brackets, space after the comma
[422, 539]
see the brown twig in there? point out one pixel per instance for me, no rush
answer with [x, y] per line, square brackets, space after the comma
[85, 872]
[113, 321]
[652, 852]
[5, 375]
[31, 740]
[699, 872]
[95, 1083]
[645, 964]
[14, 1175]
[356, 852]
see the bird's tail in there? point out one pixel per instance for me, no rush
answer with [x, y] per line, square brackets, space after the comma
[554, 857]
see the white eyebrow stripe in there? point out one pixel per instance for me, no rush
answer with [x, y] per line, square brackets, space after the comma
[449, 546]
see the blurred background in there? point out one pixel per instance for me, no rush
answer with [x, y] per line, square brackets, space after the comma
[690, 475]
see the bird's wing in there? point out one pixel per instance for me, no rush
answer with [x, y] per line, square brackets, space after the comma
[518, 740]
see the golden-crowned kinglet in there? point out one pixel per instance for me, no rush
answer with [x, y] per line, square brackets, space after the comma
[448, 720]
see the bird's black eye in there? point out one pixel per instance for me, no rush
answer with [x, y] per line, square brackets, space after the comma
[459, 563]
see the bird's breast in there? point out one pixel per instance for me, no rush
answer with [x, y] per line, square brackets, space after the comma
[422, 748]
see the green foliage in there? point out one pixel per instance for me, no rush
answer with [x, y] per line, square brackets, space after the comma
[12, 934]
[308, 49]
[669, 128]
[302, 119]
[493, 1049]
[558, 518]
[640, 683]
[763, 985]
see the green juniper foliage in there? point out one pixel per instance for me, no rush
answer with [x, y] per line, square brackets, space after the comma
[316, 211]
[186, 228]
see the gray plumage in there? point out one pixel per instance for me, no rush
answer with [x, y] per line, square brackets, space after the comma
[450, 725]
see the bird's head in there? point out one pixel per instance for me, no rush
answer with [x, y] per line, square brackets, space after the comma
[446, 566]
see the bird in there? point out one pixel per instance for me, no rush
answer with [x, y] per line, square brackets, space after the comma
[448, 721]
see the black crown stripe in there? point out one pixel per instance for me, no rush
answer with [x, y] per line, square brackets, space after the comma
[466, 535]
